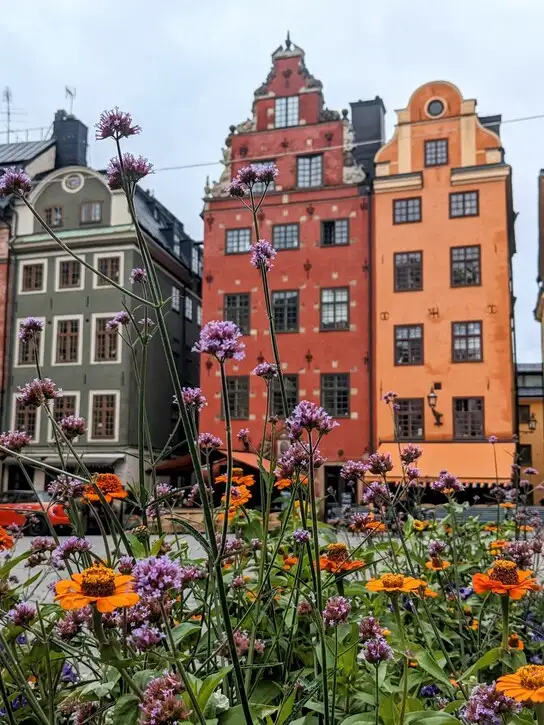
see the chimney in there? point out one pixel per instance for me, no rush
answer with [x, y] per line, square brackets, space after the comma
[368, 122]
[71, 140]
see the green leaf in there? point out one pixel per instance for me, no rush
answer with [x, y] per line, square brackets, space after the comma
[388, 710]
[127, 710]
[183, 630]
[235, 715]
[155, 549]
[490, 658]
[286, 708]
[138, 549]
[209, 686]
[306, 720]
[265, 691]
[96, 690]
[191, 530]
[359, 718]
[431, 718]
[430, 665]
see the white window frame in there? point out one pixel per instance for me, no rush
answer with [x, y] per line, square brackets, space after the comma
[195, 260]
[91, 204]
[68, 258]
[188, 306]
[199, 314]
[176, 246]
[56, 319]
[286, 99]
[105, 255]
[36, 439]
[104, 441]
[25, 262]
[77, 395]
[175, 302]
[18, 342]
[94, 317]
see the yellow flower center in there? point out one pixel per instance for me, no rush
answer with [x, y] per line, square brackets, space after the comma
[98, 581]
[505, 572]
[532, 676]
[393, 581]
[337, 552]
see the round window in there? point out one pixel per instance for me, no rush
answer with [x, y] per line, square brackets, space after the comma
[435, 108]
[73, 182]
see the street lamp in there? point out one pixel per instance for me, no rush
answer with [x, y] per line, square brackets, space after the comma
[432, 399]
[532, 423]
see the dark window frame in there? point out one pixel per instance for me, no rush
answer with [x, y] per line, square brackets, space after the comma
[285, 306]
[455, 194]
[100, 282]
[276, 405]
[285, 114]
[310, 157]
[49, 216]
[25, 352]
[525, 417]
[33, 276]
[237, 231]
[284, 226]
[61, 409]
[344, 221]
[396, 287]
[68, 340]
[466, 337]
[332, 409]
[406, 200]
[101, 415]
[456, 435]
[26, 418]
[524, 459]
[434, 144]
[334, 304]
[104, 342]
[245, 330]
[259, 186]
[421, 339]
[234, 406]
[464, 262]
[90, 204]
[411, 416]
[72, 264]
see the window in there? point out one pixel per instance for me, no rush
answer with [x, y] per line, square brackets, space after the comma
[26, 419]
[199, 314]
[309, 171]
[196, 260]
[67, 341]
[65, 406]
[259, 186]
[525, 454]
[468, 417]
[188, 309]
[236, 309]
[33, 277]
[285, 306]
[335, 308]
[27, 351]
[409, 417]
[69, 274]
[465, 266]
[436, 152]
[524, 414]
[285, 236]
[435, 107]
[464, 203]
[238, 240]
[105, 342]
[111, 267]
[291, 390]
[238, 396]
[176, 248]
[175, 303]
[104, 416]
[53, 216]
[406, 211]
[408, 271]
[408, 344]
[334, 233]
[335, 394]
[286, 113]
[91, 212]
[467, 341]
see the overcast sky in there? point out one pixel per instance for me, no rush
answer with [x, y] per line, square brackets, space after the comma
[187, 70]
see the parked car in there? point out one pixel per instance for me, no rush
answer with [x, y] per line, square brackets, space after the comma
[18, 506]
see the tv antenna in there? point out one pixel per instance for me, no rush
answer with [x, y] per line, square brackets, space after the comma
[70, 94]
[7, 98]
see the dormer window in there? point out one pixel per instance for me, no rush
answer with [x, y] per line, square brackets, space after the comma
[91, 212]
[53, 216]
[286, 112]
[177, 244]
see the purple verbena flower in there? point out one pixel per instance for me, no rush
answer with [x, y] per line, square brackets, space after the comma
[72, 623]
[304, 608]
[129, 173]
[72, 426]
[309, 416]
[236, 188]
[29, 328]
[69, 674]
[521, 552]
[193, 398]
[410, 454]
[70, 546]
[301, 536]
[64, 488]
[486, 706]
[376, 493]
[436, 548]
[265, 370]
[379, 463]
[412, 473]
[353, 471]
[370, 628]
[115, 124]
[390, 397]
[22, 614]
[191, 573]
[120, 319]
[376, 650]
[15, 440]
[125, 565]
[138, 274]
[156, 576]
[296, 459]
[42, 543]
[15, 181]
[145, 637]
[247, 175]
[256, 544]
[38, 391]
[336, 611]
[241, 641]
[430, 691]
[243, 435]
[266, 173]
[162, 703]
[447, 484]
[209, 442]
[238, 582]
[530, 471]
[221, 339]
[262, 254]
[492, 439]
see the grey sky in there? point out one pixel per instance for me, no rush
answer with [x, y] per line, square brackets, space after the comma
[187, 70]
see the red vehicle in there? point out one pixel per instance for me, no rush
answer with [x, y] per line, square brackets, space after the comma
[17, 506]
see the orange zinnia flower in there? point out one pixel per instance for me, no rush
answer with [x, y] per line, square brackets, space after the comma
[437, 564]
[474, 625]
[526, 527]
[282, 483]
[96, 585]
[395, 583]
[337, 560]
[496, 546]
[507, 505]
[238, 478]
[109, 484]
[515, 641]
[6, 541]
[239, 496]
[504, 578]
[418, 525]
[525, 685]
[489, 527]
[289, 562]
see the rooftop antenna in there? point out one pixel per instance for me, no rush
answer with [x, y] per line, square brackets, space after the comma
[70, 94]
[7, 97]
[288, 41]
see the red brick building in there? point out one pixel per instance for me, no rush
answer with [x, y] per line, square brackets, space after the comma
[317, 217]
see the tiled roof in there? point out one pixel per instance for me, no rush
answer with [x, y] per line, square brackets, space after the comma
[20, 153]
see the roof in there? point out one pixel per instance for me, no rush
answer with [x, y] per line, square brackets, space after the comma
[529, 368]
[20, 153]
[185, 463]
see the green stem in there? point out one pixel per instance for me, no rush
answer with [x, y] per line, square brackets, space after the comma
[334, 674]
[228, 432]
[505, 607]
[400, 626]
[377, 697]
[539, 710]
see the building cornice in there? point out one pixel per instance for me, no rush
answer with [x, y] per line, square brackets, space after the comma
[479, 174]
[398, 182]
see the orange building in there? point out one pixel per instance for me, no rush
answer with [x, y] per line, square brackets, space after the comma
[443, 311]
